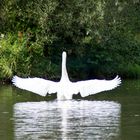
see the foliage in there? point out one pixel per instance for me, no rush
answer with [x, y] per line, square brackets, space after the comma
[130, 71]
[19, 57]
[11, 55]
[101, 37]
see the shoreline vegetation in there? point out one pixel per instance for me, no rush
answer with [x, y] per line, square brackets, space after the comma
[102, 39]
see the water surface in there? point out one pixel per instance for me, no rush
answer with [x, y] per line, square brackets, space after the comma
[112, 115]
[67, 120]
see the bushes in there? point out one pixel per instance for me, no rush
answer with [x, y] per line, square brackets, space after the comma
[130, 71]
[19, 55]
[13, 53]
[100, 37]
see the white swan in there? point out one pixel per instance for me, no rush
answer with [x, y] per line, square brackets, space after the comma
[65, 88]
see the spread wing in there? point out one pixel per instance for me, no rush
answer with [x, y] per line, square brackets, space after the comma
[36, 85]
[89, 87]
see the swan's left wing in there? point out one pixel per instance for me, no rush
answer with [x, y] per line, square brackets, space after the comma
[89, 87]
[36, 85]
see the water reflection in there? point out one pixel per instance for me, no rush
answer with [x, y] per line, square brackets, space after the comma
[67, 120]
[6, 113]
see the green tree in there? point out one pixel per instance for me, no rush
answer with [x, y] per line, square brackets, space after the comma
[100, 36]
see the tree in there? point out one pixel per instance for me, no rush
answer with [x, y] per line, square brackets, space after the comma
[99, 35]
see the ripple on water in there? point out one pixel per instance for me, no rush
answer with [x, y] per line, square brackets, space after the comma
[67, 120]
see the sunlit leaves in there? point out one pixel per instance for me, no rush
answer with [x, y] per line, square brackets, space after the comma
[101, 35]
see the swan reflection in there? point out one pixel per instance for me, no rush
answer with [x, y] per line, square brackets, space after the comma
[67, 120]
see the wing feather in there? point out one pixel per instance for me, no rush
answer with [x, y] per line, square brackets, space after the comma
[89, 87]
[36, 85]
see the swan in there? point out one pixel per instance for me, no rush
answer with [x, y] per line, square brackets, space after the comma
[65, 88]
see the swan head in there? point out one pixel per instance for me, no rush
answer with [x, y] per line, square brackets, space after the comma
[64, 54]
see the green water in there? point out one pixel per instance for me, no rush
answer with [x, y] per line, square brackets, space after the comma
[113, 115]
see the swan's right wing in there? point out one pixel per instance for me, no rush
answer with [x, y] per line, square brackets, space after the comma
[86, 88]
[36, 85]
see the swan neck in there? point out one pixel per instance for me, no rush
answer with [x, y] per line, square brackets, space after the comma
[64, 74]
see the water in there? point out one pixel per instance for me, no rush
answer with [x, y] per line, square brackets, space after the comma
[67, 120]
[112, 115]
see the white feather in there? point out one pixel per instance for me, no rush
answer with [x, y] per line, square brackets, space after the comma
[37, 85]
[65, 88]
[89, 87]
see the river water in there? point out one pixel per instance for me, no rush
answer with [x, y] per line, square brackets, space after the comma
[112, 115]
